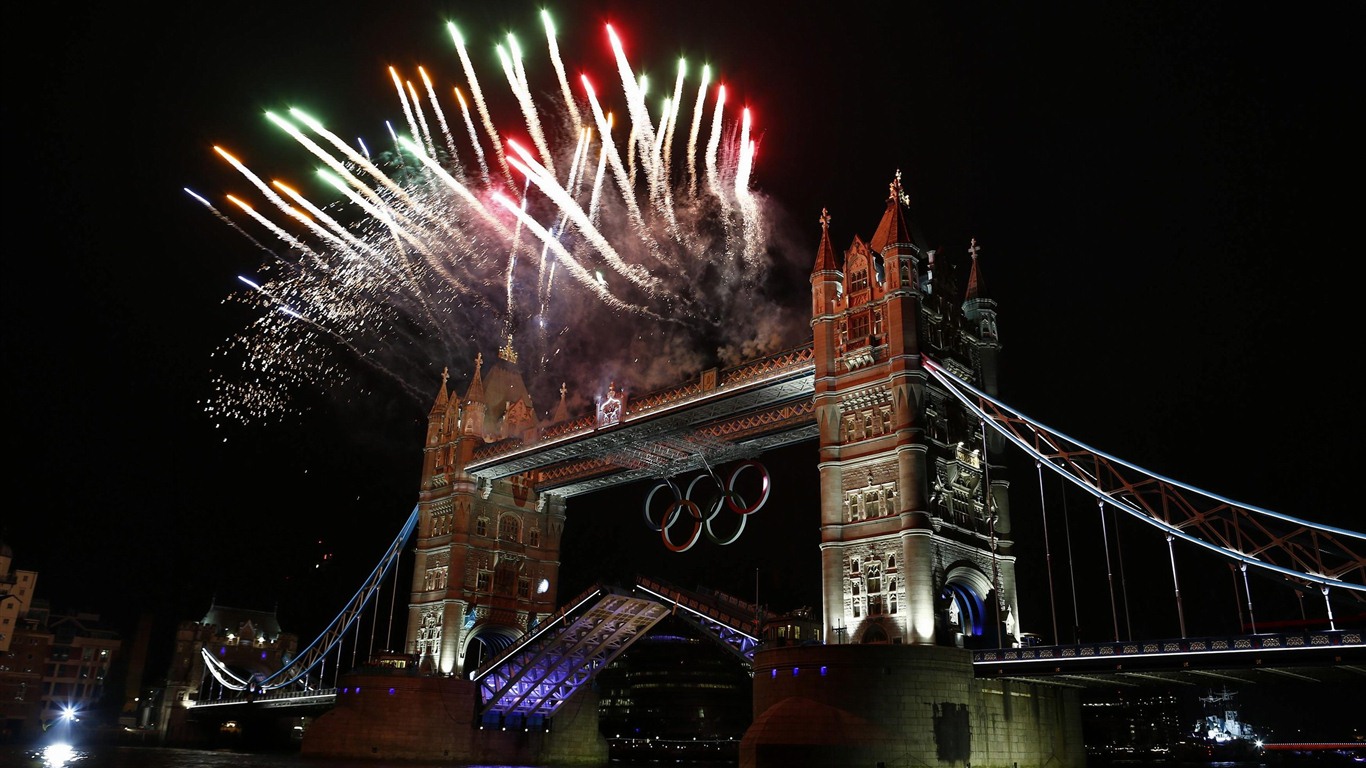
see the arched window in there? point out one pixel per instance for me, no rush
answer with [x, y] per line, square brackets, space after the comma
[509, 528]
[481, 526]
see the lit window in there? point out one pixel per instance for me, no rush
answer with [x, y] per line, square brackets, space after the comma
[509, 529]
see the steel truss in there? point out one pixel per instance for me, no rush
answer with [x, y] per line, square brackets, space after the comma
[532, 679]
[1310, 555]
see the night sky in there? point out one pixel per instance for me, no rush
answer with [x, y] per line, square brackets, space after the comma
[1163, 195]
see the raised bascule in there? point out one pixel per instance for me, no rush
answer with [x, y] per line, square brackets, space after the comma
[918, 574]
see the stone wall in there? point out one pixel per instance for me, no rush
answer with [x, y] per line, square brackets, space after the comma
[895, 706]
[405, 717]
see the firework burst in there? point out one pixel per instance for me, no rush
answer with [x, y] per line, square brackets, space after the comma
[589, 228]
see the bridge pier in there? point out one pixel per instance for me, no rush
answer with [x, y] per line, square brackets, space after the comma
[381, 716]
[896, 706]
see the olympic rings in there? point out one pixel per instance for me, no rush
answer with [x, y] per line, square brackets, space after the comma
[726, 496]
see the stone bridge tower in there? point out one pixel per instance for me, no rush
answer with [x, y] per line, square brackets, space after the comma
[488, 553]
[912, 549]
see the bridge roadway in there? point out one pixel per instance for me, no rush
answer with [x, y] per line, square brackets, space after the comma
[1308, 657]
[726, 414]
[527, 683]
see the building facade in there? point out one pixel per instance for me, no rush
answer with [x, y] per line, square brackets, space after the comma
[488, 553]
[53, 666]
[915, 528]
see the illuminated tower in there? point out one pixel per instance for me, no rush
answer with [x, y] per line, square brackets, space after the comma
[911, 552]
[488, 554]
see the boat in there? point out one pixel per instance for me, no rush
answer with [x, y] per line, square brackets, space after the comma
[1220, 734]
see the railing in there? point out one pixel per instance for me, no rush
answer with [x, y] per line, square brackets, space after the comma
[317, 696]
[1186, 646]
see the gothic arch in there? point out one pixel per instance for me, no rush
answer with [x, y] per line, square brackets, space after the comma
[874, 633]
[965, 592]
[486, 641]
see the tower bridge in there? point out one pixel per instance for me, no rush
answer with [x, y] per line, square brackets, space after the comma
[897, 391]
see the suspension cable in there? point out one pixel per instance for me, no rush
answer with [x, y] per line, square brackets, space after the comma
[1071, 571]
[990, 508]
[1247, 589]
[1123, 581]
[1048, 555]
[1237, 599]
[1109, 572]
[393, 598]
[1176, 586]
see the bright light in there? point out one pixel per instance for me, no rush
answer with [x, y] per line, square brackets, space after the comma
[68, 712]
[543, 587]
[58, 755]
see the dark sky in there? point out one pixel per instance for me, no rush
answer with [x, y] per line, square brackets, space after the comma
[1163, 194]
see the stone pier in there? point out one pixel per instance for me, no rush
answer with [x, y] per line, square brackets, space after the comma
[897, 706]
[430, 718]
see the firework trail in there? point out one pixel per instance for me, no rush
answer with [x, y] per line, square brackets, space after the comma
[402, 263]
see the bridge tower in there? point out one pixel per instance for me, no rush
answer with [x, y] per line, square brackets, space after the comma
[488, 553]
[912, 550]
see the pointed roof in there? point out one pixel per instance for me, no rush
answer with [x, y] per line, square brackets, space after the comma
[975, 286]
[562, 410]
[892, 231]
[475, 394]
[825, 255]
[505, 385]
[442, 396]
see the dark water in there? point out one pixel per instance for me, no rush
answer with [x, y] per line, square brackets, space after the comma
[164, 757]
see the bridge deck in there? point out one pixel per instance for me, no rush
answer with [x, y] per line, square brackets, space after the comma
[1309, 657]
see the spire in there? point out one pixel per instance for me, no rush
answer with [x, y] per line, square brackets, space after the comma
[892, 231]
[475, 394]
[825, 255]
[442, 396]
[562, 410]
[975, 286]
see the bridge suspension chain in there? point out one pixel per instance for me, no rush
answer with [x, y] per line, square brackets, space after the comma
[1311, 555]
[303, 664]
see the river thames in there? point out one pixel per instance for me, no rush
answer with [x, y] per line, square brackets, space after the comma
[165, 757]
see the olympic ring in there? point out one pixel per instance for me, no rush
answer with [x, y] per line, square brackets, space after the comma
[696, 527]
[727, 497]
[763, 496]
[671, 512]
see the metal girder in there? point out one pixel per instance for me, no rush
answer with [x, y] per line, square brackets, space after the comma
[733, 624]
[1307, 554]
[537, 676]
[731, 414]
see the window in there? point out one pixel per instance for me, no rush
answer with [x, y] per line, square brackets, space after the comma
[874, 574]
[858, 281]
[481, 582]
[481, 526]
[524, 588]
[509, 529]
[858, 326]
[533, 537]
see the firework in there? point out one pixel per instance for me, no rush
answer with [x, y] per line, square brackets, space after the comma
[579, 234]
